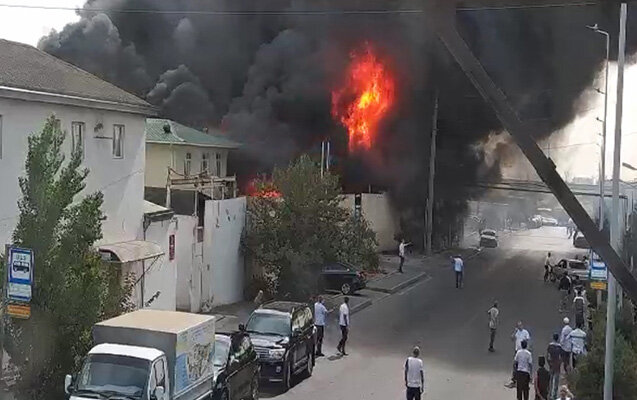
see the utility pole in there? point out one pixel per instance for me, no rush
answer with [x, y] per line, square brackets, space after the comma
[322, 156]
[432, 173]
[614, 220]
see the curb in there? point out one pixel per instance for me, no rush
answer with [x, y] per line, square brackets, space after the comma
[401, 285]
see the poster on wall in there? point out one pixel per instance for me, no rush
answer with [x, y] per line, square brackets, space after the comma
[194, 356]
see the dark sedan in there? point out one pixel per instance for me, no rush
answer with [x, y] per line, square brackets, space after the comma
[580, 242]
[236, 368]
[342, 277]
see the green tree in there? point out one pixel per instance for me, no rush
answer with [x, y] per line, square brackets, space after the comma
[72, 289]
[296, 224]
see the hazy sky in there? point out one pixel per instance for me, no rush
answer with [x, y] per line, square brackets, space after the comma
[29, 25]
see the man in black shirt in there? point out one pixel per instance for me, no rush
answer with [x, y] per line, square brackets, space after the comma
[542, 381]
[554, 353]
[565, 291]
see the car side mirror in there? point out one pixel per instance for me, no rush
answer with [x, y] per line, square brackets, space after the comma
[158, 394]
[68, 382]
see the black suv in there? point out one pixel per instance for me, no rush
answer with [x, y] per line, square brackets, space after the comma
[236, 368]
[284, 337]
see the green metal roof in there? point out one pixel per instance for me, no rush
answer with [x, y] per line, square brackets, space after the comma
[181, 134]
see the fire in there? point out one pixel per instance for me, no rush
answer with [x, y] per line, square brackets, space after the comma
[365, 99]
[267, 190]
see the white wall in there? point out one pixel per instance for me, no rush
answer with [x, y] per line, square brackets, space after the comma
[189, 255]
[224, 224]
[161, 274]
[378, 211]
[120, 180]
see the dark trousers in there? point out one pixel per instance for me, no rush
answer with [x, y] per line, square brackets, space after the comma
[492, 338]
[575, 357]
[320, 332]
[413, 393]
[402, 261]
[579, 318]
[522, 384]
[341, 344]
[566, 360]
[458, 279]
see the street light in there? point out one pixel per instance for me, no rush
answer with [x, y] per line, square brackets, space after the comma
[602, 173]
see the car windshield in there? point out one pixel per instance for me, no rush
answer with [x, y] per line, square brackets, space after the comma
[106, 373]
[272, 324]
[577, 265]
[222, 346]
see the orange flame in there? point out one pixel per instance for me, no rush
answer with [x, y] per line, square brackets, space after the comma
[365, 99]
[267, 190]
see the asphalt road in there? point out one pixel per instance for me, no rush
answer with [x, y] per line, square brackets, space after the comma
[449, 325]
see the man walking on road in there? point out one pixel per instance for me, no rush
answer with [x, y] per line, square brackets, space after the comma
[542, 380]
[343, 321]
[565, 291]
[458, 267]
[554, 352]
[519, 335]
[578, 343]
[493, 324]
[401, 254]
[320, 315]
[579, 307]
[548, 264]
[523, 362]
[414, 375]
[565, 342]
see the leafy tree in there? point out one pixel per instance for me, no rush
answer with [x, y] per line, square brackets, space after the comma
[72, 289]
[296, 224]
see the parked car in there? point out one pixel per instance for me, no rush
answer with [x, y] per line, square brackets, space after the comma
[580, 242]
[573, 268]
[535, 222]
[236, 367]
[343, 277]
[284, 338]
[488, 238]
[549, 221]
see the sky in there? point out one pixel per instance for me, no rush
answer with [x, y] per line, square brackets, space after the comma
[29, 25]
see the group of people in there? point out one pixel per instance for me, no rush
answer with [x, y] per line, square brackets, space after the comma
[320, 318]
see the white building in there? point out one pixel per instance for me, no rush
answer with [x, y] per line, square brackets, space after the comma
[108, 124]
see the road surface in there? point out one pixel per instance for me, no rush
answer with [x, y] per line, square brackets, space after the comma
[449, 325]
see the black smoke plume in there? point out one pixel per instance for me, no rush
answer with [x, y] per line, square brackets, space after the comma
[266, 77]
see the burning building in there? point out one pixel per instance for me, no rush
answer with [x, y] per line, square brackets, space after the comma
[284, 75]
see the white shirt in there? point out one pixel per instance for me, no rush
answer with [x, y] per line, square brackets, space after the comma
[520, 335]
[565, 341]
[524, 359]
[493, 317]
[578, 340]
[401, 249]
[458, 264]
[320, 312]
[414, 367]
[548, 261]
[343, 315]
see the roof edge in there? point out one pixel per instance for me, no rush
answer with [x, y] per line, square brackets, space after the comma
[193, 144]
[78, 101]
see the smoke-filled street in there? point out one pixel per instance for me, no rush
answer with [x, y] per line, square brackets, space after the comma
[449, 325]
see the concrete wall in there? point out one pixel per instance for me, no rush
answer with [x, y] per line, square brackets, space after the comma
[120, 179]
[189, 253]
[161, 274]
[377, 210]
[224, 224]
[158, 159]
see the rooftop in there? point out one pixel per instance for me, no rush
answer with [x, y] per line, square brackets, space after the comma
[29, 69]
[182, 135]
[158, 321]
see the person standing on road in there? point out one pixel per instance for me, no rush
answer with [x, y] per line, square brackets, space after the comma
[343, 321]
[401, 254]
[542, 380]
[548, 264]
[579, 307]
[565, 343]
[523, 362]
[554, 352]
[578, 343]
[320, 315]
[414, 375]
[565, 290]
[493, 324]
[458, 267]
[519, 335]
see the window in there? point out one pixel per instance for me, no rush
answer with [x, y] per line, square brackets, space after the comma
[160, 377]
[298, 320]
[77, 137]
[218, 165]
[187, 163]
[205, 162]
[118, 141]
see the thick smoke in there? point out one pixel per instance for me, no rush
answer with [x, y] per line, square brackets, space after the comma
[266, 80]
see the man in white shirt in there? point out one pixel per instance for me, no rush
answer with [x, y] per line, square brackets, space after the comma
[414, 376]
[343, 321]
[401, 254]
[523, 362]
[458, 267]
[548, 264]
[578, 343]
[320, 315]
[566, 344]
[493, 323]
[519, 335]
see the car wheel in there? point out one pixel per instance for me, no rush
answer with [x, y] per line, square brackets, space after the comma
[287, 376]
[346, 288]
[254, 388]
[310, 365]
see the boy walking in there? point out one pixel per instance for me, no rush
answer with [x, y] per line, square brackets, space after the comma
[414, 375]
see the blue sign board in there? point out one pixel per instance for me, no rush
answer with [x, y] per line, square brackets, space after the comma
[598, 271]
[20, 274]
